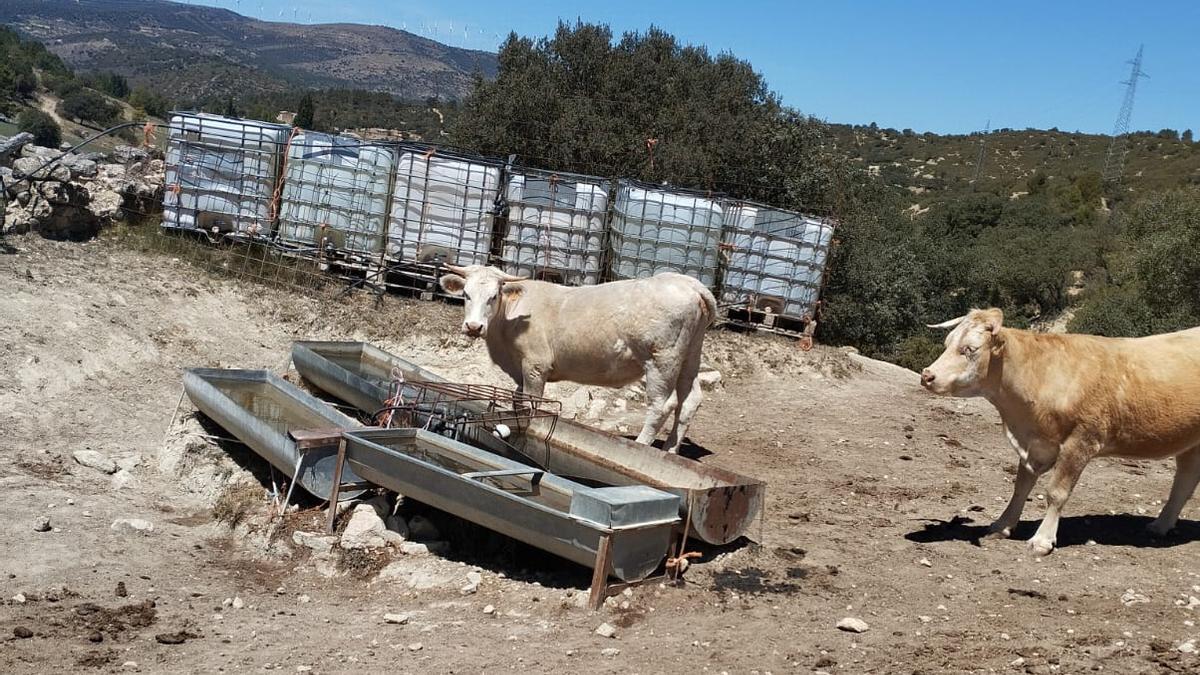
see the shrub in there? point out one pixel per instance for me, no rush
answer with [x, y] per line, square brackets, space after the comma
[43, 127]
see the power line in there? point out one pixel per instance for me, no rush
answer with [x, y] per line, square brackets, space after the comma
[1118, 148]
[982, 146]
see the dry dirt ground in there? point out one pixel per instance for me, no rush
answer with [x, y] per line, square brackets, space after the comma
[878, 493]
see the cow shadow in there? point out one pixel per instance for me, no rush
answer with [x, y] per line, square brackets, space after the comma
[1104, 530]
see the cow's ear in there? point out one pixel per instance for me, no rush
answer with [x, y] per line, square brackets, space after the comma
[993, 322]
[516, 301]
[452, 284]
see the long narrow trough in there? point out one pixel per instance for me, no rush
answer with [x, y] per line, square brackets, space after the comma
[523, 502]
[261, 409]
[720, 505]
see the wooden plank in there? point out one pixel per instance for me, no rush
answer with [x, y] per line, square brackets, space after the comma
[337, 486]
[310, 439]
[599, 590]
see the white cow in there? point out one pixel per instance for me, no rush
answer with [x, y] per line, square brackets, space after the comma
[607, 335]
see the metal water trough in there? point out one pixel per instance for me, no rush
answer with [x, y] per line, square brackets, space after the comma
[523, 502]
[260, 409]
[722, 505]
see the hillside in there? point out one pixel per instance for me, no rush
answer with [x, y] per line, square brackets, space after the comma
[209, 52]
[934, 168]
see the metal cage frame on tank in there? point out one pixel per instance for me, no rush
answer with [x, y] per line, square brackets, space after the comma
[223, 175]
[773, 271]
[424, 234]
[486, 416]
[637, 245]
[559, 231]
[336, 197]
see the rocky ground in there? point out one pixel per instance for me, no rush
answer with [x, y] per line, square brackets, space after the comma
[135, 545]
[72, 195]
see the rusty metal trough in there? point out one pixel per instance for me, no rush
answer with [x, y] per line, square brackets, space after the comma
[720, 505]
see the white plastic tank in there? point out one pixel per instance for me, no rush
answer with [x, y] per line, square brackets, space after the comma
[657, 230]
[442, 208]
[556, 226]
[336, 189]
[221, 173]
[774, 258]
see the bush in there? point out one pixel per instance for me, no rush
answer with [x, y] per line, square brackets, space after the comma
[43, 127]
[90, 106]
[1156, 271]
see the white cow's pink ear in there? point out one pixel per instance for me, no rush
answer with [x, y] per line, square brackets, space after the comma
[452, 284]
[516, 302]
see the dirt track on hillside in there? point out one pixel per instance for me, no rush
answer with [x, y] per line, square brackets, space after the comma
[877, 493]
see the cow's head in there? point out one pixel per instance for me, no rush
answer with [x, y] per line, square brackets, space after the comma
[487, 291]
[974, 341]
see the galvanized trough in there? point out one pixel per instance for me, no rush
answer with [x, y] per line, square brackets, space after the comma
[260, 409]
[523, 502]
[722, 504]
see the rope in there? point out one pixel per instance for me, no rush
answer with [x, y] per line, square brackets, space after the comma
[677, 565]
[273, 212]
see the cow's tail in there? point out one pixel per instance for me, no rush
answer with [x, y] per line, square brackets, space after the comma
[708, 303]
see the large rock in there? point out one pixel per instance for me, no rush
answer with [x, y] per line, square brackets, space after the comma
[95, 460]
[365, 530]
[127, 154]
[105, 203]
[11, 147]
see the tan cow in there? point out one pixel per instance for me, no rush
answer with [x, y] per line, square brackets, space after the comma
[607, 335]
[1065, 399]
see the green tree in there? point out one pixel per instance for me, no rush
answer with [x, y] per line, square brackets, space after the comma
[1187, 136]
[230, 107]
[43, 127]
[304, 112]
[90, 106]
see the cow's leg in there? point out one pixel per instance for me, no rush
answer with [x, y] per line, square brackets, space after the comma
[1187, 475]
[659, 392]
[687, 390]
[1027, 476]
[1066, 472]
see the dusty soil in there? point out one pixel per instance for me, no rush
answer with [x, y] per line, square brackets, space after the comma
[878, 493]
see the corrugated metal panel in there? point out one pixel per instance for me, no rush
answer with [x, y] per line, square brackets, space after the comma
[221, 173]
[336, 189]
[657, 230]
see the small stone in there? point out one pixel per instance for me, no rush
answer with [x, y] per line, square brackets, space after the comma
[1005, 636]
[924, 562]
[95, 636]
[131, 665]
[489, 610]
[237, 603]
[610, 652]
[416, 647]
[122, 479]
[42, 524]
[95, 460]
[70, 502]
[365, 529]
[132, 525]
[281, 591]
[414, 548]
[1017, 662]
[853, 625]
[606, 630]
[318, 543]
[398, 619]
[303, 669]
[19, 598]
[1188, 647]
[709, 379]
[23, 633]
[304, 599]
[1131, 597]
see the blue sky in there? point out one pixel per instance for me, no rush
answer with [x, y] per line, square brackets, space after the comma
[939, 66]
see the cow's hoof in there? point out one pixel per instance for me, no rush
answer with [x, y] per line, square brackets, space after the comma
[1040, 547]
[1157, 529]
[998, 532]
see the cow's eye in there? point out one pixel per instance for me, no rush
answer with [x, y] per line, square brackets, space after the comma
[492, 300]
[967, 350]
